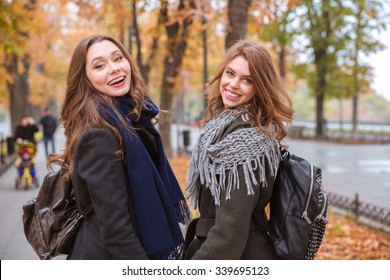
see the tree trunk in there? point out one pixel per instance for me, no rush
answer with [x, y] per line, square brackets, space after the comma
[18, 89]
[321, 70]
[320, 116]
[356, 87]
[164, 123]
[177, 35]
[355, 102]
[144, 67]
[130, 34]
[341, 113]
[135, 32]
[205, 67]
[282, 62]
[238, 21]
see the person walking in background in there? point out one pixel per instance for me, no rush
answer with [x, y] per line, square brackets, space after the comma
[49, 126]
[235, 160]
[116, 161]
[26, 130]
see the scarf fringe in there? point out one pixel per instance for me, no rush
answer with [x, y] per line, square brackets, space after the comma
[249, 167]
[209, 169]
[182, 211]
[173, 253]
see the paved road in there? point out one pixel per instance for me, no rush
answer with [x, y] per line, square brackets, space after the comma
[351, 169]
[348, 169]
[13, 243]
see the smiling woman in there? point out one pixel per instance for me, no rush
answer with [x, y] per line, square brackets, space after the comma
[236, 85]
[107, 69]
[235, 160]
[116, 159]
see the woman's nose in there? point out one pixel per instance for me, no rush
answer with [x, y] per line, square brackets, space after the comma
[235, 83]
[113, 67]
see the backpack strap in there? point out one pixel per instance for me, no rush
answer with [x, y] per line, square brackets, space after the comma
[190, 233]
[203, 227]
[197, 228]
[84, 213]
[263, 221]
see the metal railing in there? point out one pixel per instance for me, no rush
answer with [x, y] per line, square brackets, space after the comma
[6, 151]
[302, 132]
[2, 149]
[360, 208]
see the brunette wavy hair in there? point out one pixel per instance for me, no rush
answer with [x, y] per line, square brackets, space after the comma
[271, 105]
[80, 109]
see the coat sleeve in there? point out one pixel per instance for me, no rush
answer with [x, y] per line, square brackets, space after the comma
[227, 238]
[35, 128]
[105, 178]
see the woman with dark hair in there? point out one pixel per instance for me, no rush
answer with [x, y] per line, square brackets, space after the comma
[116, 160]
[235, 161]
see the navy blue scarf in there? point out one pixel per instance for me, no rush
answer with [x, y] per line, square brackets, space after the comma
[159, 204]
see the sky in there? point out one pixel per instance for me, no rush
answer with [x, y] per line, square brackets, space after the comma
[381, 64]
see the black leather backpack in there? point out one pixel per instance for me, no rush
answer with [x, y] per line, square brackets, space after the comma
[298, 209]
[51, 220]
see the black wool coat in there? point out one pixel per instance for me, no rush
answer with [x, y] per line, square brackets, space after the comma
[99, 179]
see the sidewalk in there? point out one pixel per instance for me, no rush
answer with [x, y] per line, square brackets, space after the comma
[13, 243]
[8, 162]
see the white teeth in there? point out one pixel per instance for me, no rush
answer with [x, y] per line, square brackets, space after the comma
[231, 94]
[116, 80]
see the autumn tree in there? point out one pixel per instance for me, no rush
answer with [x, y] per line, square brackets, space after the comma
[273, 21]
[17, 60]
[237, 21]
[334, 35]
[177, 31]
[135, 35]
[367, 19]
[322, 26]
[10, 14]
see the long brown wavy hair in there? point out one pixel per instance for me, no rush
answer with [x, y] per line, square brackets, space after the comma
[271, 105]
[80, 109]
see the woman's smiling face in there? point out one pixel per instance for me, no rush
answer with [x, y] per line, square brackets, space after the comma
[107, 69]
[236, 84]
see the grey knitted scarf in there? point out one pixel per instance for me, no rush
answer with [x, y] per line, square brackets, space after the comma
[215, 164]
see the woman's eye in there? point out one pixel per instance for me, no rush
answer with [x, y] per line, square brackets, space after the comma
[229, 74]
[98, 66]
[247, 81]
[119, 58]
